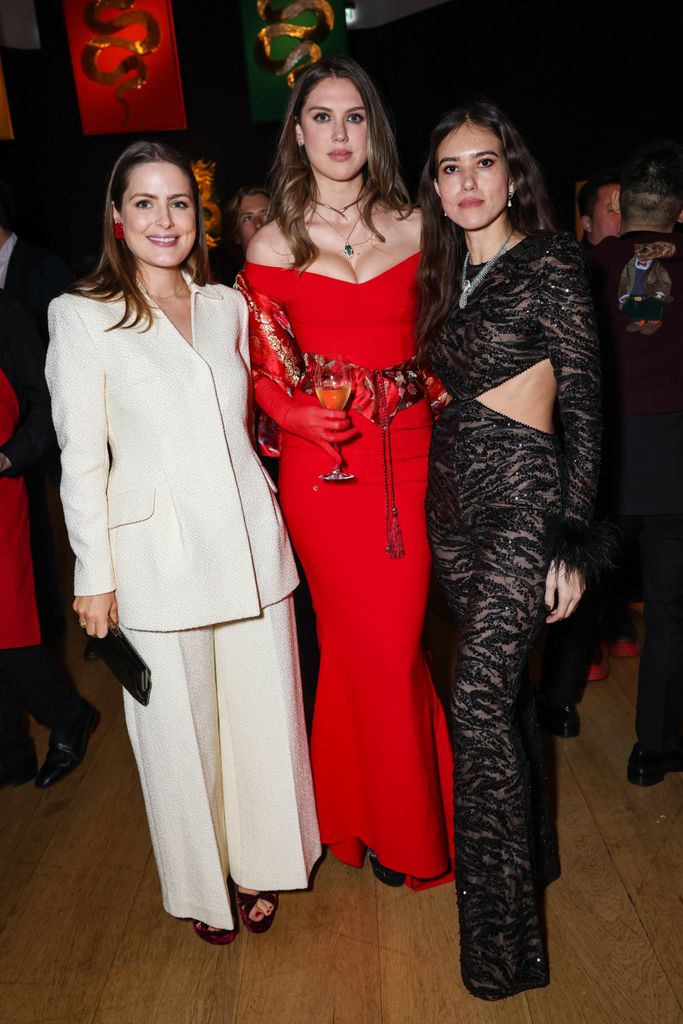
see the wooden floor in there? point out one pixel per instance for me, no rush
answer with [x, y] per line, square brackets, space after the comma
[84, 939]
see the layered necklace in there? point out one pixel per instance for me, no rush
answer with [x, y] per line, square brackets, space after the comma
[467, 287]
[342, 212]
[348, 249]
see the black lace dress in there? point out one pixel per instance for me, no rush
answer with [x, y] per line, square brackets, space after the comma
[503, 501]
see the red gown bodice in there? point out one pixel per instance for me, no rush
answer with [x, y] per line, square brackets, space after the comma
[370, 324]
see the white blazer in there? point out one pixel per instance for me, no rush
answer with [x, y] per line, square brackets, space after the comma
[164, 497]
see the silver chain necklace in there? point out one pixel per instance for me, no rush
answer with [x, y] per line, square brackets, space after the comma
[467, 287]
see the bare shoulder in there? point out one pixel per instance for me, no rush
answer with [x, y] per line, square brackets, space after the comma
[269, 248]
[412, 225]
[401, 230]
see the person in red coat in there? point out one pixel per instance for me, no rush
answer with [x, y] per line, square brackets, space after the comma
[29, 677]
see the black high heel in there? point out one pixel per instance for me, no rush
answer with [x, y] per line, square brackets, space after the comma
[385, 875]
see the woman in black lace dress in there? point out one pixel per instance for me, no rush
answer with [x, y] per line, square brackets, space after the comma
[507, 323]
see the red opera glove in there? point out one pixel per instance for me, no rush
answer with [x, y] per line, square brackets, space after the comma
[313, 422]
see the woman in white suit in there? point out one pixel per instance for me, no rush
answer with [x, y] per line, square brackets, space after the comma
[177, 536]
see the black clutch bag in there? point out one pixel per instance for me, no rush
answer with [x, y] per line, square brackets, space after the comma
[124, 661]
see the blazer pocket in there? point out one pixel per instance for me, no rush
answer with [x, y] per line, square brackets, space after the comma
[130, 506]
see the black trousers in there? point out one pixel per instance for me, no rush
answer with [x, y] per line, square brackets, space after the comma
[31, 679]
[659, 710]
[490, 483]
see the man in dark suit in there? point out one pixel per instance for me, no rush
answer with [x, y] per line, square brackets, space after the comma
[33, 276]
[29, 677]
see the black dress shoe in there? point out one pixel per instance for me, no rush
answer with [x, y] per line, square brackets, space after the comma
[648, 767]
[385, 875]
[562, 721]
[67, 747]
[18, 772]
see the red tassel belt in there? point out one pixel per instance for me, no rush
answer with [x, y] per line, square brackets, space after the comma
[379, 395]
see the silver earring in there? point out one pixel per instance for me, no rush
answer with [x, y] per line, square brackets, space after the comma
[510, 195]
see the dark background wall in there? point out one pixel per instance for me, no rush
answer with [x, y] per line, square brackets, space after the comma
[585, 85]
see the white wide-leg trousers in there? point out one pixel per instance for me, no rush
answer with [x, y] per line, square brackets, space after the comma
[223, 760]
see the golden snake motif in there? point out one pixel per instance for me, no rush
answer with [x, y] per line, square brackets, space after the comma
[105, 29]
[296, 61]
[205, 174]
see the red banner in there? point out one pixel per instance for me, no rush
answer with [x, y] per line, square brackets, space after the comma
[6, 130]
[125, 65]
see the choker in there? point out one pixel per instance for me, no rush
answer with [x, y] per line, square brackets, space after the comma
[342, 212]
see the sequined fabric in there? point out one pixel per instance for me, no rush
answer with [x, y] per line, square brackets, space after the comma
[493, 484]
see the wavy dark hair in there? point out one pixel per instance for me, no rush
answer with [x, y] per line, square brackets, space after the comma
[291, 179]
[116, 276]
[443, 242]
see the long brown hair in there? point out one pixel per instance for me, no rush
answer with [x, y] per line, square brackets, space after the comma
[443, 242]
[116, 276]
[291, 180]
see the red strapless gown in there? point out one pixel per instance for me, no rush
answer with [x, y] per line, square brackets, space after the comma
[380, 749]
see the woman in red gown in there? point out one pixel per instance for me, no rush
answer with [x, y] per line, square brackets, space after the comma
[334, 274]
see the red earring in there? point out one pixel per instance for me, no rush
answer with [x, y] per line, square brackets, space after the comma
[118, 229]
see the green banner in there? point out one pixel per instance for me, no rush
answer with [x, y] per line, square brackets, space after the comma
[278, 46]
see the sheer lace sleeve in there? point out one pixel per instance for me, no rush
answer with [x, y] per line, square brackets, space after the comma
[567, 318]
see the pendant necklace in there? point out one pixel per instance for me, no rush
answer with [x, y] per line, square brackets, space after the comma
[467, 287]
[348, 249]
[342, 212]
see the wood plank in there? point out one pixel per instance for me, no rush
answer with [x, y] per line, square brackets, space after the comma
[59, 938]
[633, 821]
[162, 973]
[420, 963]
[604, 970]
[658, 903]
[319, 965]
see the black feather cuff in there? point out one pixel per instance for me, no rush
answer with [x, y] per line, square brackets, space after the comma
[591, 550]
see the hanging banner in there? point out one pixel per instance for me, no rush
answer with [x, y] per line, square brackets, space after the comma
[6, 130]
[125, 65]
[280, 41]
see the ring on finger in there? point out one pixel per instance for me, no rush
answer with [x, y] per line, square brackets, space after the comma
[82, 623]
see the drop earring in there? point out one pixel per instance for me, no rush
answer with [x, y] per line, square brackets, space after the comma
[510, 195]
[118, 229]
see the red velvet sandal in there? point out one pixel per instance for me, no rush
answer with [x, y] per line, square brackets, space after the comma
[216, 936]
[246, 903]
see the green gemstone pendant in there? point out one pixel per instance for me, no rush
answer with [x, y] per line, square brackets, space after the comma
[348, 250]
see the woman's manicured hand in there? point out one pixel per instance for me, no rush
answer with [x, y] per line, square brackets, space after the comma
[322, 426]
[95, 611]
[563, 591]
